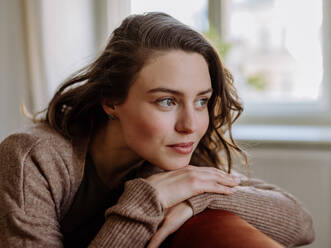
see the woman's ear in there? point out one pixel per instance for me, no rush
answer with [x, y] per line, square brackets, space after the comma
[109, 108]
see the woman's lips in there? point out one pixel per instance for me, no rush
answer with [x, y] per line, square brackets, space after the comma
[182, 148]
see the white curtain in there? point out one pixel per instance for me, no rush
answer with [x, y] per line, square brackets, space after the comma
[13, 70]
[42, 43]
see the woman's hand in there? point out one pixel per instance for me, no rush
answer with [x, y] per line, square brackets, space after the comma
[174, 218]
[176, 186]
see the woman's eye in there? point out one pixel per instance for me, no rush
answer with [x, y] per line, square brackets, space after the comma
[166, 102]
[202, 102]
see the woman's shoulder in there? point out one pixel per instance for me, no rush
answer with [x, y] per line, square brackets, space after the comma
[44, 145]
[39, 167]
[32, 134]
[41, 135]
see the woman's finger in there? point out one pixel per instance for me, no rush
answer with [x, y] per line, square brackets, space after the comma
[219, 175]
[174, 219]
[159, 237]
[218, 188]
[177, 186]
[213, 175]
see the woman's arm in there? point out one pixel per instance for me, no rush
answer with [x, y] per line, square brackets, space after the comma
[267, 207]
[36, 183]
[39, 178]
[133, 220]
[29, 195]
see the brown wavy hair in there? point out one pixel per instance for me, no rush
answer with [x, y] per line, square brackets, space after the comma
[75, 110]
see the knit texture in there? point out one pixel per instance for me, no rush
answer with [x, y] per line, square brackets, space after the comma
[271, 210]
[40, 173]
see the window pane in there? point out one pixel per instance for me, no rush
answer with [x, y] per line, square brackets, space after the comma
[275, 52]
[193, 13]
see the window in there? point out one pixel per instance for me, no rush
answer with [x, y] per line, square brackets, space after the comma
[276, 53]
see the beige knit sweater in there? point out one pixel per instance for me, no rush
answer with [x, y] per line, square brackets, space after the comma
[40, 173]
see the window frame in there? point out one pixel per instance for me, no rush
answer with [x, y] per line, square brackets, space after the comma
[300, 113]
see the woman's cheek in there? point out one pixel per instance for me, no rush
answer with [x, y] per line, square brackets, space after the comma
[203, 126]
[150, 126]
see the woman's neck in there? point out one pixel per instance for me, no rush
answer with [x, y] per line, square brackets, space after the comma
[110, 154]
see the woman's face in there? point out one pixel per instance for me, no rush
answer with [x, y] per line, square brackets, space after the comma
[165, 114]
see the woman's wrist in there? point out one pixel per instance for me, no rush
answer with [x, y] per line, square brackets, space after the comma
[138, 198]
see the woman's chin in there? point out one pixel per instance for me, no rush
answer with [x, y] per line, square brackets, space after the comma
[173, 164]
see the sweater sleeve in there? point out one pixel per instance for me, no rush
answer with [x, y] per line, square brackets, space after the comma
[29, 209]
[36, 187]
[270, 209]
[133, 220]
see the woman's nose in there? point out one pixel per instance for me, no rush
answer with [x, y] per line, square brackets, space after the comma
[186, 121]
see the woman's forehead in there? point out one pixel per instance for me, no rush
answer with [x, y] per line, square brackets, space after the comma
[177, 70]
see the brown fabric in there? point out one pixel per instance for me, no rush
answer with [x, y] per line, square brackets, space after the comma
[40, 173]
[259, 203]
[218, 229]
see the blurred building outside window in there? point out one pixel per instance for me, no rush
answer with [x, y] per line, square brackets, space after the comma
[276, 49]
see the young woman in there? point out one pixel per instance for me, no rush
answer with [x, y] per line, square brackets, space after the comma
[129, 150]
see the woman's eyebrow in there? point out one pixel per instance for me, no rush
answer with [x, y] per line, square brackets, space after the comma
[176, 92]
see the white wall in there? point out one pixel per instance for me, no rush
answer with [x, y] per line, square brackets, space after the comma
[41, 44]
[304, 171]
